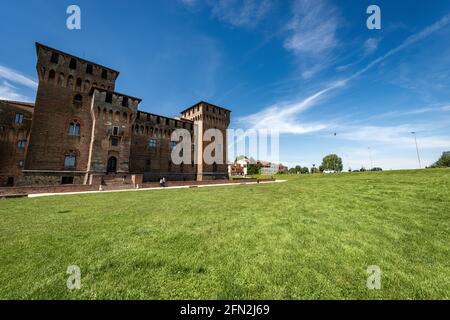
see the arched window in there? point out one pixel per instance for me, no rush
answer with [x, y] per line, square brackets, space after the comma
[78, 84]
[74, 128]
[87, 85]
[70, 82]
[78, 100]
[61, 79]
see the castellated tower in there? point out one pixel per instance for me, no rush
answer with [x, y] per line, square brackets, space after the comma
[208, 116]
[61, 131]
[113, 115]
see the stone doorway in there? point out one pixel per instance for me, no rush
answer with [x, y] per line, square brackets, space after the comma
[112, 165]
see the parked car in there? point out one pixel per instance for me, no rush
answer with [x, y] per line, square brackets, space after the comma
[376, 169]
[329, 171]
[355, 171]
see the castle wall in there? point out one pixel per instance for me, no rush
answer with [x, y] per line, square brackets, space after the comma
[12, 155]
[154, 158]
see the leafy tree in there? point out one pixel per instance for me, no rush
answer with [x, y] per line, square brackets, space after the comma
[292, 171]
[298, 169]
[443, 162]
[254, 169]
[332, 162]
[363, 169]
[304, 170]
[314, 170]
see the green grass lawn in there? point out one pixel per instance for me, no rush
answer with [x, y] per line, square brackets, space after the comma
[312, 237]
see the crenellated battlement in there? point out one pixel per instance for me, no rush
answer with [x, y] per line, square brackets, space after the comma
[211, 114]
[72, 72]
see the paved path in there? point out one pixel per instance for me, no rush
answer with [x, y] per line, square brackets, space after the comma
[147, 189]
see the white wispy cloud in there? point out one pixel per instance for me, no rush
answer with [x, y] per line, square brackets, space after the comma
[11, 81]
[15, 76]
[284, 116]
[189, 2]
[398, 136]
[10, 92]
[281, 117]
[313, 27]
[371, 45]
[311, 34]
[416, 111]
[238, 13]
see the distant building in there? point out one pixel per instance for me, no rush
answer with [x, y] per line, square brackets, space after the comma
[239, 168]
[283, 169]
[269, 168]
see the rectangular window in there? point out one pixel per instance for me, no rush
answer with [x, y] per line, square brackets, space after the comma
[73, 64]
[21, 144]
[89, 69]
[108, 98]
[124, 102]
[69, 161]
[115, 131]
[19, 118]
[10, 181]
[104, 74]
[114, 142]
[67, 180]
[55, 57]
[152, 143]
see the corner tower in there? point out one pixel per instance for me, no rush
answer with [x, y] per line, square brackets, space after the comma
[62, 122]
[208, 116]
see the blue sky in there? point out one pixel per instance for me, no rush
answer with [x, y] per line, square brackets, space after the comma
[309, 68]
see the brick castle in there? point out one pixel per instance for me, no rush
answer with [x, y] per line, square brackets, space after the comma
[81, 131]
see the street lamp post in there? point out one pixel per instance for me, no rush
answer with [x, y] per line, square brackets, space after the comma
[417, 149]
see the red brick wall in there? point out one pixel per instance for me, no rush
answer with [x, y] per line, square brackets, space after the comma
[10, 133]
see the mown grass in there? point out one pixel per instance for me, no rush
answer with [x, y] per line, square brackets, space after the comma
[312, 237]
